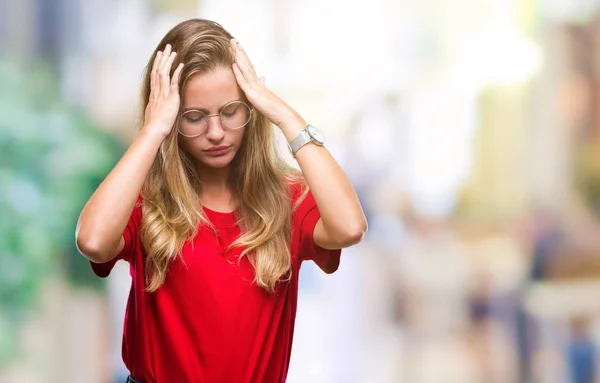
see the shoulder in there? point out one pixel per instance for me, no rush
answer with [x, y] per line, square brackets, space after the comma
[301, 199]
[297, 188]
[136, 214]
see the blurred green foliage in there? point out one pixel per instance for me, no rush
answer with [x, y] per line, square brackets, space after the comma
[586, 172]
[52, 157]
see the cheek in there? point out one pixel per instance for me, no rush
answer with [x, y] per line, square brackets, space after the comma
[191, 145]
[236, 137]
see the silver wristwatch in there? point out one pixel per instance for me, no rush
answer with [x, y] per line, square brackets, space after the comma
[310, 134]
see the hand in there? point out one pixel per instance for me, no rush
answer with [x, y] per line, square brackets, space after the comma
[263, 99]
[163, 105]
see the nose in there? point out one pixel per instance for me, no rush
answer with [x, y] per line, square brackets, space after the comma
[215, 131]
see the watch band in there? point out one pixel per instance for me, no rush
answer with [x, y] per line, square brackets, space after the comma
[301, 139]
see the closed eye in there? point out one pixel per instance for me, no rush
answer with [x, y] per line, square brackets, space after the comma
[230, 111]
[194, 116]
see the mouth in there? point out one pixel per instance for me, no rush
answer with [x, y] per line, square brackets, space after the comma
[218, 151]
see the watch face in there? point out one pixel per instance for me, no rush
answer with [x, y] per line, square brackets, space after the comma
[314, 134]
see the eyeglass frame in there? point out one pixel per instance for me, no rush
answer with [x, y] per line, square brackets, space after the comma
[207, 117]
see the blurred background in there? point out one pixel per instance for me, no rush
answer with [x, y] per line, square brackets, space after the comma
[470, 129]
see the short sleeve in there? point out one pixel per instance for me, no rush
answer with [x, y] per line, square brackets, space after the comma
[305, 220]
[131, 236]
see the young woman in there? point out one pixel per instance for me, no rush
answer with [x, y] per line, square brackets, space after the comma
[213, 224]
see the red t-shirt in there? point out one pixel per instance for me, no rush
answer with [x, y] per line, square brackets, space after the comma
[209, 322]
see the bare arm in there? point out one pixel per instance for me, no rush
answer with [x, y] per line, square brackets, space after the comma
[99, 232]
[342, 222]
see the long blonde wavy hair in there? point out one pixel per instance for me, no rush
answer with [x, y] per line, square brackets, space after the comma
[259, 178]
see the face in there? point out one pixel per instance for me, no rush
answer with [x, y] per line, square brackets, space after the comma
[209, 92]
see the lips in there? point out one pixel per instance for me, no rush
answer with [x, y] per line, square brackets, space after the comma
[218, 151]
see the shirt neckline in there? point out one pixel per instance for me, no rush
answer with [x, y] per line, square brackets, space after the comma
[221, 219]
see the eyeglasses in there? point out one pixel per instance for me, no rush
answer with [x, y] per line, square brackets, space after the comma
[234, 115]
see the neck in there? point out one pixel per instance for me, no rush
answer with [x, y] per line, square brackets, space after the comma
[214, 179]
[215, 191]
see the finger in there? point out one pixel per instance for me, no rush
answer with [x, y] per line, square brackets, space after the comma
[239, 49]
[154, 66]
[153, 75]
[175, 79]
[164, 74]
[165, 56]
[242, 58]
[240, 78]
[249, 76]
[262, 80]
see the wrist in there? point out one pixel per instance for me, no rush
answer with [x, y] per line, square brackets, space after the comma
[308, 135]
[292, 126]
[149, 133]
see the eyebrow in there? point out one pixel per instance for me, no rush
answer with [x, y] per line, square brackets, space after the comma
[206, 111]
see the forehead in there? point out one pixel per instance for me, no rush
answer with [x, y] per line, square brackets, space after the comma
[211, 90]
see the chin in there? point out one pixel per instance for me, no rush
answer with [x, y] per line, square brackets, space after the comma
[217, 162]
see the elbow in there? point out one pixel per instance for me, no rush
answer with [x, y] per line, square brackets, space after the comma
[353, 234]
[88, 249]
[91, 250]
